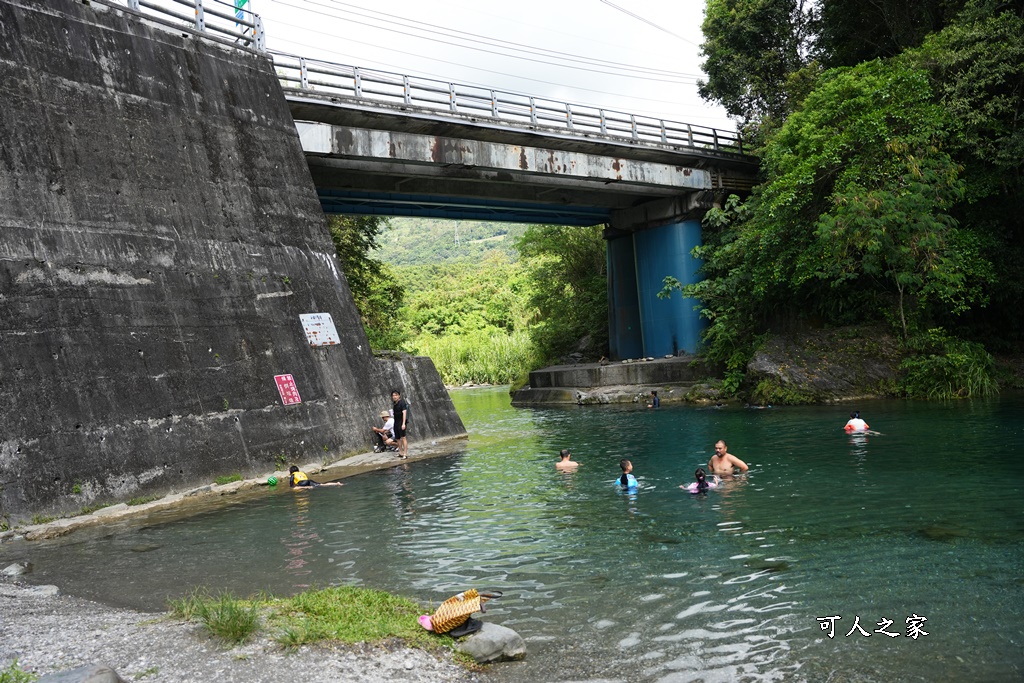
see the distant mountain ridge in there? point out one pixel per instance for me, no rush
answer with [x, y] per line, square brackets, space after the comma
[428, 241]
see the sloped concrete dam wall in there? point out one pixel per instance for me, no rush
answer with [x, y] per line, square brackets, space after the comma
[159, 237]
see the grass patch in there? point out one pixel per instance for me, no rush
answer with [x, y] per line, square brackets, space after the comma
[89, 509]
[42, 519]
[226, 617]
[188, 607]
[142, 500]
[769, 391]
[346, 614]
[227, 479]
[15, 674]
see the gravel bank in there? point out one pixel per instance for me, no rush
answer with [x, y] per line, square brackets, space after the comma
[49, 632]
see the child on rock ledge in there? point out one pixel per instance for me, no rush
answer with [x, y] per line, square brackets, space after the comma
[298, 478]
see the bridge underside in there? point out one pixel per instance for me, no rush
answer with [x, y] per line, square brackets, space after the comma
[649, 201]
[366, 171]
[462, 208]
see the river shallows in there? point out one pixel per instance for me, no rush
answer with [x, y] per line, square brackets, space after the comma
[924, 520]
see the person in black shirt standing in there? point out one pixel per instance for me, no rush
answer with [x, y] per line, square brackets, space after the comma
[400, 409]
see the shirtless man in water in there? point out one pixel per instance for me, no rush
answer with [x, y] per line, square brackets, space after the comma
[723, 462]
[566, 464]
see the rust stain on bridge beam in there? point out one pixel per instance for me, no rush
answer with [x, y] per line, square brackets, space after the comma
[488, 156]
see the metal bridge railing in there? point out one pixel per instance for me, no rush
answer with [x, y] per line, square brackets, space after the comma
[223, 22]
[372, 86]
[218, 20]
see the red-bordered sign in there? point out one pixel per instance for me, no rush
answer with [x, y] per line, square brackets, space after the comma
[286, 387]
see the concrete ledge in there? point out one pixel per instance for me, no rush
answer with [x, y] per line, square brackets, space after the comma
[676, 379]
[203, 498]
[655, 371]
[583, 396]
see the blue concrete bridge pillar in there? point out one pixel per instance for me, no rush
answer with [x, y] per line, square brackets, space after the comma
[640, 323]
[624, 337]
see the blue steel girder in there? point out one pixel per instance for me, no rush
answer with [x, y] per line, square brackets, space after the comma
[392, 204]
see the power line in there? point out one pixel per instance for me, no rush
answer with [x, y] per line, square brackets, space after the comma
[649, 23]
[475, 37]
[501, 54]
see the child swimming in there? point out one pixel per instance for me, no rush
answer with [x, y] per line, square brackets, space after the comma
[856, 424]
[627, 480]
[701, 485]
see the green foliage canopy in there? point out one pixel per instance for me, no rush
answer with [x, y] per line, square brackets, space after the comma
[459, 297]
[752, 48]
[375, 289]
[859, 198]
[854, 218]
[567, 270]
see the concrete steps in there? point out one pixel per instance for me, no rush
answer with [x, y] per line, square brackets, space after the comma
[673, 378]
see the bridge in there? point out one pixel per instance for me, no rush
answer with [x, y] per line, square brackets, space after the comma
[398, 145]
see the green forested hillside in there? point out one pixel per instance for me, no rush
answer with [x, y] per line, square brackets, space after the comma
[486, 301]
[427, 241]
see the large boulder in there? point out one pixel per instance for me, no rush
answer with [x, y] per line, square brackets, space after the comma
[824, 366]
[94, 673]
[493, 643]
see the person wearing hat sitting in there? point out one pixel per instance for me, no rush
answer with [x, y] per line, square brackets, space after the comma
[384, 437]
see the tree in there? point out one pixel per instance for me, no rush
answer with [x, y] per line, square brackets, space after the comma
[460, 297]
[854, 220]
[977, 70]
[567, 270]
[752, 50]
[860, 197]
[375, 289]
[855, 31]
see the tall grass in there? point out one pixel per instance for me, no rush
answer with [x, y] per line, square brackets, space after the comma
[943, 367]
[232, 620]
[479, 358]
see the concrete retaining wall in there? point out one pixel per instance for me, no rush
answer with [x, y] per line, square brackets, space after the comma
[159, 236]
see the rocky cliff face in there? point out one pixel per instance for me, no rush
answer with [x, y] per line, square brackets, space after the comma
[824, 366]
[160, 236]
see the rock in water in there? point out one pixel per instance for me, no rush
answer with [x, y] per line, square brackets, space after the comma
[493, 643]
[17, 569]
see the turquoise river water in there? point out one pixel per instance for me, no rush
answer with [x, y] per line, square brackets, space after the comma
[924, 520]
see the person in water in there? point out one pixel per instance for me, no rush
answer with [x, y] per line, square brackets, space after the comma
[298, 478]
[566, 464]
[654, 401]
[627, 480]
[856, 424]
[701, 484]
[724, 462]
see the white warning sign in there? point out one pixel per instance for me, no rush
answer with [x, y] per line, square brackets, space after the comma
[319, 329]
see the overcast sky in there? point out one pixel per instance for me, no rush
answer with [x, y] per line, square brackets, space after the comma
[633, 56]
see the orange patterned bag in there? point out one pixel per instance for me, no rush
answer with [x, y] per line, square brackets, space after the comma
[457, 609]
